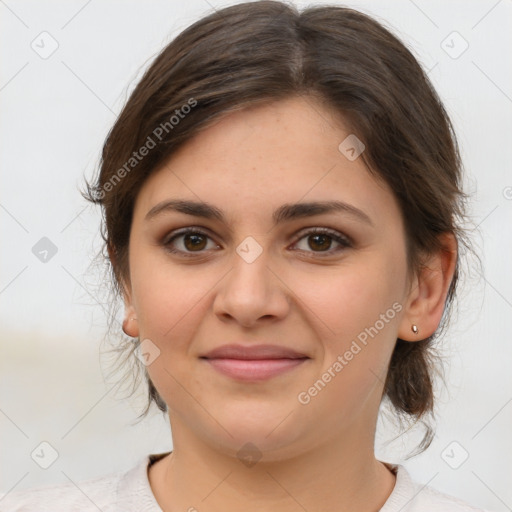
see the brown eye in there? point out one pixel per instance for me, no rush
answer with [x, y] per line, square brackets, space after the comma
[187, 242]
[194, 241]
[320, 240]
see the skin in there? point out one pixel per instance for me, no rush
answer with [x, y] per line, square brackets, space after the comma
[315, 456]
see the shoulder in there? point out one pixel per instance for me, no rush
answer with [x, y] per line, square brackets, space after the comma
[92, 494]
[126, 491]
[99, 493]
[410, 496]
[431, 499]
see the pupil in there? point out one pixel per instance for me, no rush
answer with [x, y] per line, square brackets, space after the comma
[195, 241]
[325, 238]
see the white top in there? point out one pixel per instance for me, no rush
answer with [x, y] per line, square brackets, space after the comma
[130, 492]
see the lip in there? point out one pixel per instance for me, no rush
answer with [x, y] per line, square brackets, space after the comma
[253, 352]
[254, 362]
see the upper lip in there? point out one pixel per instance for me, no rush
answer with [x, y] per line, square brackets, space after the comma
[253, 352]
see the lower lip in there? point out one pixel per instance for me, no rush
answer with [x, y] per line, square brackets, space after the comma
[254, 369]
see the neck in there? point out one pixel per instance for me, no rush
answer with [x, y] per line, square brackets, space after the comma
[340, 474]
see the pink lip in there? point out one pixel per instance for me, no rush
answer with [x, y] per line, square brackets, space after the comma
[253, 352]
[253, 362]
[254, 369]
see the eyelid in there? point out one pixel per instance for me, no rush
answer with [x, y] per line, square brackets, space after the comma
[184, 231]
[324, 231]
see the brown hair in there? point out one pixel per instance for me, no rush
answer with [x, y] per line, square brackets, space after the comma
[264, 51]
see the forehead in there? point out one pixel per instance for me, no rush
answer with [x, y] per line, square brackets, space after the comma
[260, 157]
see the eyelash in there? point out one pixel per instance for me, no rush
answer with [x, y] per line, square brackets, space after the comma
[343, 240]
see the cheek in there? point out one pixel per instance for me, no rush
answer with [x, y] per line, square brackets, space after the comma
[355, 312]
[162, 296]
[357, 325]
[344, 301]
[170, 304]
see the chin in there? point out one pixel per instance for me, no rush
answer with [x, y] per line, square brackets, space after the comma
[253, 434]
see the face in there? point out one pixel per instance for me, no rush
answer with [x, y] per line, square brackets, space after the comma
[329, 284]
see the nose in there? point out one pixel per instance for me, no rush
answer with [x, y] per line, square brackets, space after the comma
[251, 293]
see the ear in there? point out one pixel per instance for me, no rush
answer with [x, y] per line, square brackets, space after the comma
[427, 296]
[130, 324]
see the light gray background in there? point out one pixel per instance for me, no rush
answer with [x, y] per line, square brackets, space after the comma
[55, 114]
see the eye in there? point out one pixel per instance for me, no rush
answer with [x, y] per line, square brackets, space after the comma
[191, 240]
[320, 240]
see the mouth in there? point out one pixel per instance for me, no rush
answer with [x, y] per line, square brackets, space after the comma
[254, 362]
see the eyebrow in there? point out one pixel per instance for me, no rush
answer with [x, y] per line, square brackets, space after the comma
[286, 212]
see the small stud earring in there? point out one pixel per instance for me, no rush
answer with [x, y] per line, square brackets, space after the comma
[414, 329]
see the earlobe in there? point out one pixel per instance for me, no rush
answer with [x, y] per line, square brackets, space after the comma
[130, 325]
[427, 298]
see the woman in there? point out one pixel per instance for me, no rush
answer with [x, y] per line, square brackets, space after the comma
[282, 204]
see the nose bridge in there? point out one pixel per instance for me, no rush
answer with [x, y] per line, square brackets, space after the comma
[250, 272]
[250, 290]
